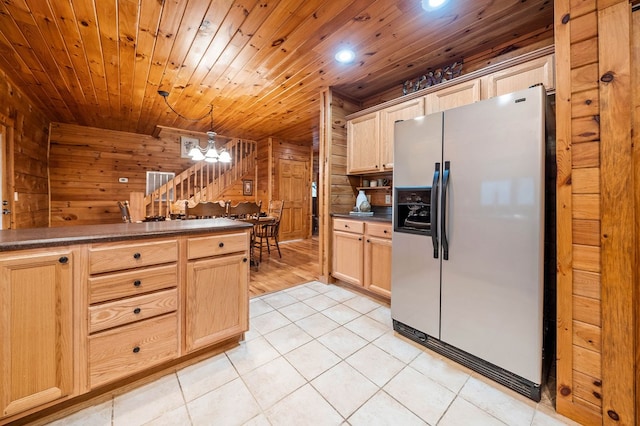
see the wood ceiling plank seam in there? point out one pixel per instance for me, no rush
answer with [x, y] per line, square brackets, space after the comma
[87, 25]
[390, 72]
[318, 65]
[20, 44]
[182, 92]
[148, 23]
[69, 33]
[170, 19]
[416, 44]
[128, 17]
[107, 25]
[335, 5]
[189, 96]
[48, 26]
[26, 83]
[539, 33]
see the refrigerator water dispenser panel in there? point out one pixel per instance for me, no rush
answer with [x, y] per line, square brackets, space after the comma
[413, 210]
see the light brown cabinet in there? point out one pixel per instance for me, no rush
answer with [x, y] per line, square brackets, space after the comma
[388, 117]
[454, 96]
[520, 77]
[377, 258]
[362, 254]
[348, 251]
[36, 330]
[216, 290]
[363, 144]
[133, 320]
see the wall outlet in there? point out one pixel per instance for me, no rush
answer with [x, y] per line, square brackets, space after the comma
[123, 180]
[387, 199]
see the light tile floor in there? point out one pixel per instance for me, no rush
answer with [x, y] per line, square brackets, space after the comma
[319, 354]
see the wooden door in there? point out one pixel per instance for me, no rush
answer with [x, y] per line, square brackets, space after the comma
[295, 189]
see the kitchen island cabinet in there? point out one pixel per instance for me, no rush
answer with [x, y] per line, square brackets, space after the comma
[88, 306]
[36, 359]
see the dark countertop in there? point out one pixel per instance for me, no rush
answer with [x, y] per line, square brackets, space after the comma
[377, 217]
[21, 239]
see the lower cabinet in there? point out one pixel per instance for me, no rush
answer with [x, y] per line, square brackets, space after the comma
[377, 258]
[362, 254]
[217, 289]
[36, 330]
[215, 292]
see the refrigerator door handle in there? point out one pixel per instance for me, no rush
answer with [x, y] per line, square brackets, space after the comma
[443, 221]
[434, 210]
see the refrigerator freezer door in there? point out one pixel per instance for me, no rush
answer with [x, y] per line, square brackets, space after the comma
[415, 274]
[492, 283]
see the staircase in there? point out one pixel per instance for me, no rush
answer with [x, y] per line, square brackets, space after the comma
[204, 181]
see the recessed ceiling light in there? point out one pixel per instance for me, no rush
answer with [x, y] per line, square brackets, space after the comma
[429, 5]
[345, 56]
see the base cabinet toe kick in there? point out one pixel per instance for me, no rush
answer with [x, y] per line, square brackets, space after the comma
[107, 312]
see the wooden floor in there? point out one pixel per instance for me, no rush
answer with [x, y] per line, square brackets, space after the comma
[299, 264]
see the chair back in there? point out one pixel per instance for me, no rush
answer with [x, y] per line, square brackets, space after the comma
[275, 209]
[124, 211]
[204, 210]
[245, 210]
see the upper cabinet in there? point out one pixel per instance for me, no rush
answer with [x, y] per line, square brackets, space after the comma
[388, 116]
[370, 132]
[522, 76]
[370, 137]
[454, 96]
[363, 144]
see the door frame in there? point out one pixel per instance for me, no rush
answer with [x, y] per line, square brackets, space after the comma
[6, 168]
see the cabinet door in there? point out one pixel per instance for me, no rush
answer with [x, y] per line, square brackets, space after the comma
[454, 96]
[388, 116]
[522, 76]
[348, 253]
[36, 330]
[217, 300]
[377, 265]
[363, 144]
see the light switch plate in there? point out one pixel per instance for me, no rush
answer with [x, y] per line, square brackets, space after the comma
[387, 199]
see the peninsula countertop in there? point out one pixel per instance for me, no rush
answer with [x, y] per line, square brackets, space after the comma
[22, 239]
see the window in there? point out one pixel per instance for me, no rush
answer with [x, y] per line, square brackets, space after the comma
[156, 179]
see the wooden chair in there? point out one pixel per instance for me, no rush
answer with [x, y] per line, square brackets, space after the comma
[268, 232]
[124, 211]
[245, 210]
[204, 210]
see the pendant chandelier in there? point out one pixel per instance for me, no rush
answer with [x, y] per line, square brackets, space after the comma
[209, 154]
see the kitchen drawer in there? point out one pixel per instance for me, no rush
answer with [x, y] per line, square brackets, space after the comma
[132, 283]
[125, 311]
[123, 351]
[115, 257]
[215, 245]
[381, 230]
[355, 226]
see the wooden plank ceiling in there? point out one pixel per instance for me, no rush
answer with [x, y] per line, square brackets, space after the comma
[261, 63]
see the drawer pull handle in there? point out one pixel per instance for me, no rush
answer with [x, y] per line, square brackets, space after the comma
[63, 259]
[221, 245]
[385, 231]
[137, 283]
[368, 240]
[346, 226]
[360, 239]
[136, 311]
[136, 255]
[136, 349]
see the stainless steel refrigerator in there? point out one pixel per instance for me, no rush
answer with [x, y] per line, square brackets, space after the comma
[468, 242]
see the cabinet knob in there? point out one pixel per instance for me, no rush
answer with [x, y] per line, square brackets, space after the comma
[136, 311]
[360, 239]
[245, 260]
[136, 349]
[385, 231]
[368, 241]
[137, 283]
[346, 226]
[63, 259]
[221, 245]
[137, 255]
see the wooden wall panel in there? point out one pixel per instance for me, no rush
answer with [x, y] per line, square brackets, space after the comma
[26, 157]
[595, 254]
[86, 164]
